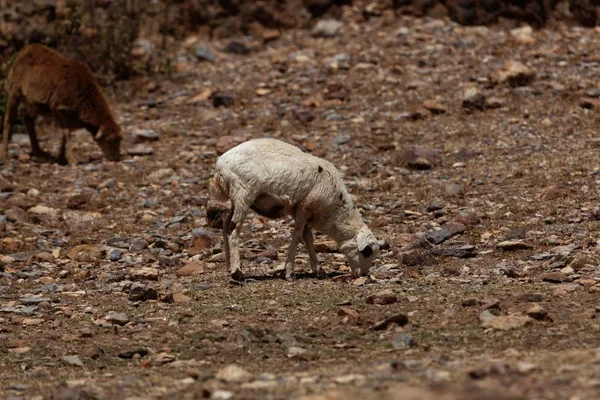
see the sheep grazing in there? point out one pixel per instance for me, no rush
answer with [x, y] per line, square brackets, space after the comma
[50, 84]
[274, 179]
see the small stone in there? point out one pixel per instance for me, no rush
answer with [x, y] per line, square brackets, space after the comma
[15, 214]
[347, 312]
[454, 189]
[128, 354]
[473, 99]
[78, 201]
[114, 254]
[160, 175]
[537, 312]
[396, 319]
[556, 192]
[181, 298]
[515, 74]
[554, 277]
[144, 273]
[140, 292]
[221, 100]
[140, 149]
[382, 297]
[204, 54]
[494, 102]
[507, 322]
[439, 236]
[33, 321]
[39, 211]
[579, 263]
[421, 158]
[201, 241]
[237, 47]
[434, 106]
[471, 302]
[44, 256]
[435, 206]
[403, 341]
[234, 374]
[145, 135]
[327, 28]
[190, 269]
[117, 318]
[84, 253]
[513, 245]
[465, 251]
[72, 360]
[299, 354]
[107, 184]
[137, 244]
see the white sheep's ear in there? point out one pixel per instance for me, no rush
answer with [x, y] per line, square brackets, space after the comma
[364, 238]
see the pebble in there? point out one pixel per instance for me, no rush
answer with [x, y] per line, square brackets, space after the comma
[140, 149]
[190, 269]
[473, 99]
[107, 184]
[513, 245]
[454, 189]
[506, 322]
[114, 254]
[204, 54]
[382, 297]
[84, 253]
[144, 273]
[536, 311]
[554, 277]
[402, 341]
[72, 360]
[515, 74]
[396, 319]
[145, 135]
[141, 292]
[15, 214]
[233, 373]
[117, 318]
[327, 28]
[438, 236]
[221, 100]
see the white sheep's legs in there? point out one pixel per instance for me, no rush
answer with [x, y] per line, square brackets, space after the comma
[234, 226]
[226, 226]
[314, 262]
[296, 237]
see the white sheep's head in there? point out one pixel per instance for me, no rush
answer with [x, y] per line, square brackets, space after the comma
[361, 251]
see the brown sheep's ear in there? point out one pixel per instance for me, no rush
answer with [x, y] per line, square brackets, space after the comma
[99, 135]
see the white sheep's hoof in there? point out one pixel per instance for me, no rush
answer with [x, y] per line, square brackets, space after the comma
[237, 276]
[321, 274]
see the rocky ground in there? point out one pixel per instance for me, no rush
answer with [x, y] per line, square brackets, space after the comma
[472, 151]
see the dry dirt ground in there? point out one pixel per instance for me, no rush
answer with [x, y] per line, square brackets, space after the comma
[481, 174]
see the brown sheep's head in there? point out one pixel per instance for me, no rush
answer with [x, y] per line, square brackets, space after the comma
[109, 139]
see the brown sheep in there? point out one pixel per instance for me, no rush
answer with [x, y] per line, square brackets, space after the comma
[50, 84]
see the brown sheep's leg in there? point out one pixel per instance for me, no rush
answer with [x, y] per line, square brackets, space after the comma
[29, 120]
[11, 114]
[61, 158]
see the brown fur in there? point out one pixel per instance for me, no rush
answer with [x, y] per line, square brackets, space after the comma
[50, 84]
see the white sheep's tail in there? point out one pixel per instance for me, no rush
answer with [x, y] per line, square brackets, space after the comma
[219, 187]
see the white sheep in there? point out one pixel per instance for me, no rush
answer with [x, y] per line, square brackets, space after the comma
[274, 179]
